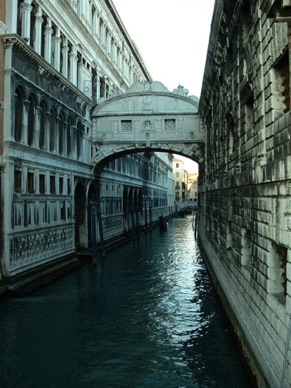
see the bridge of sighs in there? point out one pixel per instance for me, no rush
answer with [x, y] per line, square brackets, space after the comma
[147, 118]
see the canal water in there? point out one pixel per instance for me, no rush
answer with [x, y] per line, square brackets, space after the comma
[145, 316]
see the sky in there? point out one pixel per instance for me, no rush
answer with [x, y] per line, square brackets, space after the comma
[172, 37]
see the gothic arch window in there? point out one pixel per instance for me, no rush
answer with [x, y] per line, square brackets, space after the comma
[53, 129]
[61, 133]
[19, 108]
[42, 129]
[31, 119]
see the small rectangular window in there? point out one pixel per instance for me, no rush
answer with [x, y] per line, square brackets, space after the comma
[42, 183]
[18, 181]
[126, 125]
[30, 182]
[63, 210]
[52, 184]
[170, 124]
[61, 185]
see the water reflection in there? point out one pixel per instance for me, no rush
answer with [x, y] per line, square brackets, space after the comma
[146, 316]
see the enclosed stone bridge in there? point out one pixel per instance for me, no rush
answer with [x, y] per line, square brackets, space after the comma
[147, 118]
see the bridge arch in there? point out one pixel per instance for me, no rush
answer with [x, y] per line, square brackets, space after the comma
[148, 117]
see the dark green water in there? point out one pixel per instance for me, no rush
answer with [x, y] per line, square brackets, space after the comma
[146, 316]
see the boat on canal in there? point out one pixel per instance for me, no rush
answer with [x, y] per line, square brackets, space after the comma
[163, 222]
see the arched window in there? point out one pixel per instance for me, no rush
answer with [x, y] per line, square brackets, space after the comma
[61, 133]
[42, 132]
[18, 124]
[53, 120]
[31, 120]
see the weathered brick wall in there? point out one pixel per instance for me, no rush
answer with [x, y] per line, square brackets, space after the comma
[245, 197]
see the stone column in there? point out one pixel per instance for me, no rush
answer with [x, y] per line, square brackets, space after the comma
[48, 41]
[65, 51]
[73, 66]
[38, 25]
[11, 16]
[37, 126]
[95, 21]
[47, 132]
[26, 11]
[65, 139]
[98, 86]
[8, 93]
[57, 135]
[25, 122]
[80, 75]
[57, 49]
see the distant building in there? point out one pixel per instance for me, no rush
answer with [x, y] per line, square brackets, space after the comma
[180, 178]
[192, 186]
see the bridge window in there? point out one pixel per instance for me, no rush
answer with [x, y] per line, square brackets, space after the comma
[170, 124]
[126, 125]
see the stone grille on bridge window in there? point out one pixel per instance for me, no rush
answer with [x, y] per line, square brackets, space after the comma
[126, 125]
[170, 124]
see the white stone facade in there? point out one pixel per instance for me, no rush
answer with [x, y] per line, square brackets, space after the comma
[245, 196]
[60, 58]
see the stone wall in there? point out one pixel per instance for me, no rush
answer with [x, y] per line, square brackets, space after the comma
[245, 191]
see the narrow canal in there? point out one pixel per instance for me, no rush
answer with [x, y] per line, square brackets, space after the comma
[146, 316]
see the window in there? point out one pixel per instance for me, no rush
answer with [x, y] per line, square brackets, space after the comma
[42, 132]
[61, 185]
[126, 125]
[18, 181]
[18, 115]
[177, 165]
[52, 184]
[69, 186]
[30, 182]
[61, 134]
[177, 174]
[52, 129]
[42, 183]
[63, 210]
[170, 124]
[31, 120]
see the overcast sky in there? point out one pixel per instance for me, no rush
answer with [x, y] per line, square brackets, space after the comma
[172, 37]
